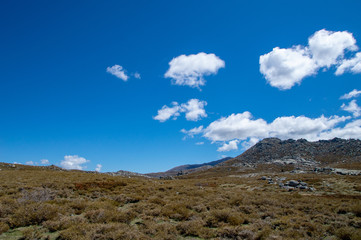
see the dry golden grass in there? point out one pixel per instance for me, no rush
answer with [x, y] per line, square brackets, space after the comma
[44, 204]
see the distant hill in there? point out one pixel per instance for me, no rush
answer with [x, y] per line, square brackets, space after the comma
[272, 150]
[189, 168]
[193, 166]
[276, 155]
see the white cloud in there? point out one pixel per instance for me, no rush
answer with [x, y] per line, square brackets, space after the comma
[236, 126]
[231, 145]
[73, 162]
[352, 65]
[193, 131]
[302, 127]
[283, 68]
[137, 75]
[249, 142]
[353, 108]
[354, 93]
[44, 161]
[199, 143]
[193, 109]
[248, 131]
[350, 130]
[98, 167]
[118, 71]
[29, 163]
[167, 112]
[328, 47]
[190, 70]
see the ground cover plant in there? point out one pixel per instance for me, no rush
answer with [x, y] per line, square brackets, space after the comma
[41, 203]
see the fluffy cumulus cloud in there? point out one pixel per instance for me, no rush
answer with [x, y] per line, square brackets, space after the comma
[29, 163]
[302, 127]
[232, 145]
[166, 112]
[189, 70]
[193, 109]
[354, 93]
[353, 108]
[44, 161]
[328, 47]
[244, 129]
[73, 162]
[285, 67]
[118, 71]
[236, 126]
[98, 168]
[352, 65]
[350, 130]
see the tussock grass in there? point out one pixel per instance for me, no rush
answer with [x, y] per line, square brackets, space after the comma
[37, 204]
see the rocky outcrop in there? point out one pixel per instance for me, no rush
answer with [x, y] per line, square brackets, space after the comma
[299, 152]
[288, 185]
[126, 174]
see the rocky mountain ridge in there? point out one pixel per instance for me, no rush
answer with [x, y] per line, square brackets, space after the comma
[299, 152]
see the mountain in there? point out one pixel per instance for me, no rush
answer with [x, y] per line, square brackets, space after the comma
[189, 168]
[193, 166]
[274, 150]
[275, 155]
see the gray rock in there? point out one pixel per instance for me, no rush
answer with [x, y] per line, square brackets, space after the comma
[292, 183]
[303, 184]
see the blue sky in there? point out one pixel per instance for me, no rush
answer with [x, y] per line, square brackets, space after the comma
[199, 61]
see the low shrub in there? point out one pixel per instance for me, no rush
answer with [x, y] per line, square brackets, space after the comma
[33, 214]
[3, 227]
[235, 233]
[32, 233]
[191, 228]
[63, 222]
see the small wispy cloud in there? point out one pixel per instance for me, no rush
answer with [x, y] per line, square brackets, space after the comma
[44, 161]
[353, 108]
[137, 75]
[193, 109]
[231, 145]
[98, 167]
[353, 94]
[118, 71]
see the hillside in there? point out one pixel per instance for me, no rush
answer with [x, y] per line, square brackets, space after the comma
[274, 150]
[275, 155]
[189, 168]
[242, 198]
